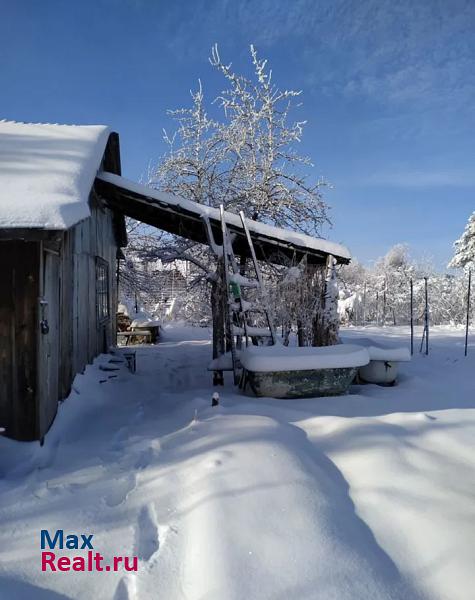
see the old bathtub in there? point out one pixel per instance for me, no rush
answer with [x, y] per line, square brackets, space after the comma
[289, 372]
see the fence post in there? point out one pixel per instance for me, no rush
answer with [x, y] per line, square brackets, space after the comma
[425, 332]
[412, 318]
[426, 316]
[364, 304]
[468, 310]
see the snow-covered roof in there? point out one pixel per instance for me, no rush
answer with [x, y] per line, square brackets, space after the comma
[46, 173]
[128, 195]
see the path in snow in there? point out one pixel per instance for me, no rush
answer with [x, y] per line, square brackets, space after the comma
[367, 496]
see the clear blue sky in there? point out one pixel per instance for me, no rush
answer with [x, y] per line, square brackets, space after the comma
[388, 92]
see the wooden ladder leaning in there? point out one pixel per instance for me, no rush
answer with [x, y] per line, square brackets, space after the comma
[239, 313]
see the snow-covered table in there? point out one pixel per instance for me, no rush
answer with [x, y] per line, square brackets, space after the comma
[288, 372]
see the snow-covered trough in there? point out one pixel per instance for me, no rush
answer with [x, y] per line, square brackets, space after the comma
[288, 372]
[383, 367]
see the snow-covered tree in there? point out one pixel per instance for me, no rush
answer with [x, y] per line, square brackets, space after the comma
[243, 157]
[270, 178]
[464, 256]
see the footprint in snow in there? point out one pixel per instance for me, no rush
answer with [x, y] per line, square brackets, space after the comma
[127, 589]
[425, 417]
[146, 456]
[119, 438]
[120, 490]
[217, 459]
[147, 540]
[139, 415]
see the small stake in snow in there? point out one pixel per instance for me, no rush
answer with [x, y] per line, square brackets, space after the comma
[215, 399]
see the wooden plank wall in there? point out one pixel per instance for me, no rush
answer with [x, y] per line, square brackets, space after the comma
[28, 402]
[66, 374]
[91, 238]
[19, 268]
[48, 356]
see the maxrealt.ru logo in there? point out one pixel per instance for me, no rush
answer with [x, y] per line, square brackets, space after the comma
[90, 561]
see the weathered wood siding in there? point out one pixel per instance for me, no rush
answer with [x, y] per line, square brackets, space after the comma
[90, 239]
[19, 290]
[52, 279]
[49, 339]
[68, 279]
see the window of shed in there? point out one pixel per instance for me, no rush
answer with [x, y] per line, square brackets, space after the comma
[102, 290]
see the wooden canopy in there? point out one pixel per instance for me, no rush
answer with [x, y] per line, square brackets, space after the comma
[188, 219]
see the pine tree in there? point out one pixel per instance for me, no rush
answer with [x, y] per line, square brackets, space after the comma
[464, 256]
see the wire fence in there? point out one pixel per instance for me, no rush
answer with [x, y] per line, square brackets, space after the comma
[423, 301]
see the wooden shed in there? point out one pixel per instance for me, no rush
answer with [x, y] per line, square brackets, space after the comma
[58, 253]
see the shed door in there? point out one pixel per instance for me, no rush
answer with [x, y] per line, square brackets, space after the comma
[49, 312]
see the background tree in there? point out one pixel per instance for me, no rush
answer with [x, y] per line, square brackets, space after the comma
[380, 294]
[464, 256]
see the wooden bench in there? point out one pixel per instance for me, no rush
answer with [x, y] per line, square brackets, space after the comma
[139, 333]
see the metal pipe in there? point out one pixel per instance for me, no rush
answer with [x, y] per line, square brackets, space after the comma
[412, 317]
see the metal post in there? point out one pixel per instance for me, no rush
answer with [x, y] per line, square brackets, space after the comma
[364, 304]
[412, 318]
[468, 310]
[426, 316]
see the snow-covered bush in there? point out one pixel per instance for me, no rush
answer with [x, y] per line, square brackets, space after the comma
[381, 293]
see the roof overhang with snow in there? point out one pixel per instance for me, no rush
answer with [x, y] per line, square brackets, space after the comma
[187, 219]
[47, 173]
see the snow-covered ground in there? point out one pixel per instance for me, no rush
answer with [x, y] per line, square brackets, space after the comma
[365, 496]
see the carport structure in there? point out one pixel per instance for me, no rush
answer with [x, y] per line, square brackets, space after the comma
[201, 223]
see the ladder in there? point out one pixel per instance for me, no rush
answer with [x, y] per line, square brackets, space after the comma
[239, 311]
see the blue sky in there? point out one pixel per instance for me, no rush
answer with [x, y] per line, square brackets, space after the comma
[388, 93]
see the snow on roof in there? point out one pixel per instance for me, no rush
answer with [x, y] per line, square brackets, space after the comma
[46, 173]
[256, 227]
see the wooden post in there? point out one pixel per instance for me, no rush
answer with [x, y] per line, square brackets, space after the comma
[331, 322]
[218, 317]
[467, 324]
[412, 317]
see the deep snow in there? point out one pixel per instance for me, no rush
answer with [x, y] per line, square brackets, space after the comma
[365, 496]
